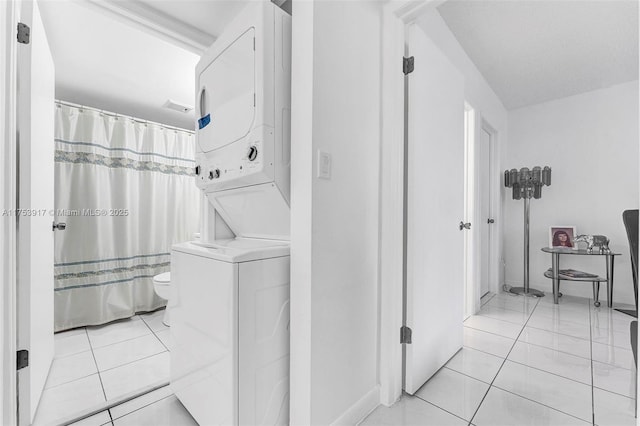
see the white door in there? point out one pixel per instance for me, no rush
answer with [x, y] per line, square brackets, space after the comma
[35, 191]
[484, 154]
[435, 207]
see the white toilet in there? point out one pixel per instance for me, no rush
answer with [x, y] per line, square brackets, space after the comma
[162, 287]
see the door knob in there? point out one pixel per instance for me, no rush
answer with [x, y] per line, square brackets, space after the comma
[490, 221]
[465, 225]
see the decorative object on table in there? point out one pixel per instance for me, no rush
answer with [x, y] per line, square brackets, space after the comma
[562, 236]
[527, 184]
[575, 274]
[600, 241]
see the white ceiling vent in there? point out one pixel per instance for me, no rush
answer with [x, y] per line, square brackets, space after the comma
[176, 106]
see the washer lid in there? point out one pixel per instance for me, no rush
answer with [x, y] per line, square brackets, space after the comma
[164, 278]
[236, 250]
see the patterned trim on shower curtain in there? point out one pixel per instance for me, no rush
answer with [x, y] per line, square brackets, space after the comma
[109, 271]
[120, 162]
[110, 148]
[94, 274]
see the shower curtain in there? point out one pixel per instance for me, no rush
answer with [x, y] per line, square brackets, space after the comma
[126, 191]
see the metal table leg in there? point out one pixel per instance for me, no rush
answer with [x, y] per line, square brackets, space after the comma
[555, 267]
[609, 280]
[596, 293]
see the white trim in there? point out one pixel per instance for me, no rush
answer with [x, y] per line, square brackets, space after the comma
[495, 285]
[391, 207]
[155, 23]
[361, 409]
[471, 239]
[301, 213]
[9, 17]
[474, 295]
[395, 15]
[480, 124]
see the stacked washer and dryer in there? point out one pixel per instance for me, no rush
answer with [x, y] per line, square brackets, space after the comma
[230, 298]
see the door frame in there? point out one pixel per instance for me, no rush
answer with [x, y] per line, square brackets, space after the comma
[473, 289]
[494, 206]
[395, 16]
[472, 238]
[9, 15]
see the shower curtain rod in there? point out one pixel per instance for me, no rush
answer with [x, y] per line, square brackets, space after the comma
[115, 114]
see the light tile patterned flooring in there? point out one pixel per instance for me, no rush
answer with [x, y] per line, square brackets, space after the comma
[524, 362]
[96, 364]
[157, 408]
[527, 361]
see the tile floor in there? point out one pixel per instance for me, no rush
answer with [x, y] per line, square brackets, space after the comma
[96, 364]
[157, 408]
[529, 362]
[524, 362]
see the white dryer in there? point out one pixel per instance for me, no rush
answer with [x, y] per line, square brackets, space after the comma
[243, 138]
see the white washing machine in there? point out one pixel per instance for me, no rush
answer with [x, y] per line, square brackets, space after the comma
[230, 289]
[230, 329]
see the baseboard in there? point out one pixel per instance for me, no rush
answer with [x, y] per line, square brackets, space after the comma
[361, 409]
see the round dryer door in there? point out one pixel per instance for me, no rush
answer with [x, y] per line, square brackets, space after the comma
[226, 100]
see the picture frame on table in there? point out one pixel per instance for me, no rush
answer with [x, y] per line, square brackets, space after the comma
[562, 236]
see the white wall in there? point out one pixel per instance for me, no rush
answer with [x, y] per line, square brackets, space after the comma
[487, 106]
[591, 143]
[334, 306]
[477, 90]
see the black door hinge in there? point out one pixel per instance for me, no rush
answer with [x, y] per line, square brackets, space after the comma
[405, 334]
[22, 358]
[407, 65]
[24, 33]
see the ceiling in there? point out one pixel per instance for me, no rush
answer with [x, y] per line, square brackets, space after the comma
[535, 51]
[130, 57]
[208, 16]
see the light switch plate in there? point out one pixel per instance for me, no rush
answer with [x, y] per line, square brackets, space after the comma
[324, 165]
